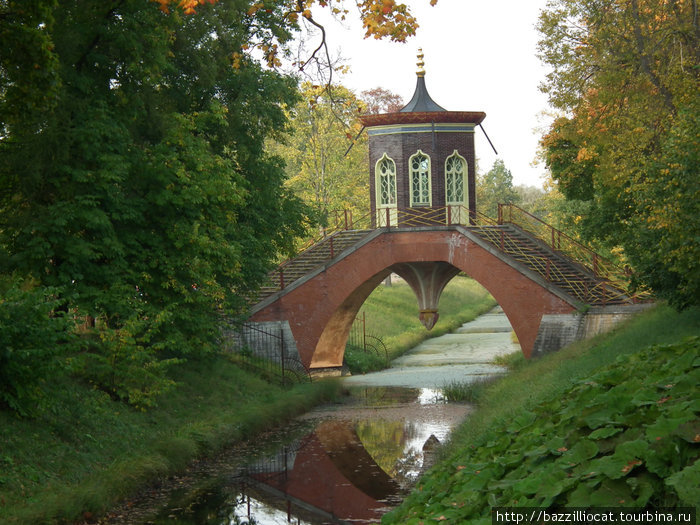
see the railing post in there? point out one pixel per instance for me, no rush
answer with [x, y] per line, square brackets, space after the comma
[388, 218]
[553, 241]
[364, 332]
[449, 215]
[282, 350]
[346, 219]
[500, 213]
[503, 244]
[595, 264]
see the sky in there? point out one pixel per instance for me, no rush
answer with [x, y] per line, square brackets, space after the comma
[480, 55]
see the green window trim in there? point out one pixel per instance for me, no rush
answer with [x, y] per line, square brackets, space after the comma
[385, 182]
[419, 178]
[456, 190]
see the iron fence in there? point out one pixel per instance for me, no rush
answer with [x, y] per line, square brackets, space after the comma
[360, 338]
[264, 349]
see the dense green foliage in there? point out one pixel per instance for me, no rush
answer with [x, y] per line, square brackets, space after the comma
[625, 76]
[322, 127]
[94, 451]
[611, 422]
[31, 334]
[134, 184]
[495, 187]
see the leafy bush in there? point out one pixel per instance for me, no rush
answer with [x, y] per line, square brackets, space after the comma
[626, 436]
[361, 361]
[34, 335]
[121, 362]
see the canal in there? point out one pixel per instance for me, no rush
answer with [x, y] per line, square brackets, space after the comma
[346, 463]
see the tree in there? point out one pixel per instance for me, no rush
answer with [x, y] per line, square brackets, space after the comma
[380, 100]
[134, 182]
[494, 188]
[139, 188]
[323, 125]
[625, 75]
[532, 199]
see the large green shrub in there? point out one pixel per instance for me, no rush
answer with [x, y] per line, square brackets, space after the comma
[34, 335]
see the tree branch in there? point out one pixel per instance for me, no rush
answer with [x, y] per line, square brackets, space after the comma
[645, 63]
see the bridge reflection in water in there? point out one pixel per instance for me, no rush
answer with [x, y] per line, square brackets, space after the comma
[344, 471]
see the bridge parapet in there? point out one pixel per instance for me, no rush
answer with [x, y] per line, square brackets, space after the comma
[321, 307]
[559, 259]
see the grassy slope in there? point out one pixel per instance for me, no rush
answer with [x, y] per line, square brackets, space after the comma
[392, 314]
[88, 451]
[538, 397]
[82, 464]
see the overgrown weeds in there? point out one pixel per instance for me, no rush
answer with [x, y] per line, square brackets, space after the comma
[468, 391]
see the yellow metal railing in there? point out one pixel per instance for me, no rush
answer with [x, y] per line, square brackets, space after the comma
[589, 290]
[605, 285]
[610, 274]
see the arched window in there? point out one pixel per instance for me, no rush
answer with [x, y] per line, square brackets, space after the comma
[385, 182]
[419, 172]
[456, 179]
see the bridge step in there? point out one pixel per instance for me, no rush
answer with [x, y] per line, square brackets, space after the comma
[557, 268]
[310, 260]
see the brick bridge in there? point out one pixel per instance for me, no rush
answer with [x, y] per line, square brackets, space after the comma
[552, 289]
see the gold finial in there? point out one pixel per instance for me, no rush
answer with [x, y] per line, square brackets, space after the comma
[420, 63]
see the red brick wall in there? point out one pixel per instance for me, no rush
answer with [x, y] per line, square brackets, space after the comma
[438, 146]
[320, 311]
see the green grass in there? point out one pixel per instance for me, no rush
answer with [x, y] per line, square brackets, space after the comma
[88, 451]
[506, 441]
[392, 314]
[468, 391]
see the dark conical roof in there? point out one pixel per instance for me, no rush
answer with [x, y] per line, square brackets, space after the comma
[422, 109]
[421, 101]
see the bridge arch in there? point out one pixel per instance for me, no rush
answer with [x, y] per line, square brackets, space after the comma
[322, 307]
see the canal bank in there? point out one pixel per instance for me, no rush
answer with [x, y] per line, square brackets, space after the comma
[85, 453]
[82, 452]
[349, 462]
[606, 422]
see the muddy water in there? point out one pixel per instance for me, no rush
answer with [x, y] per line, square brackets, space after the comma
[346, 463]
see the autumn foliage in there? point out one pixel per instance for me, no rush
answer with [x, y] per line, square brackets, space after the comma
[624, 75]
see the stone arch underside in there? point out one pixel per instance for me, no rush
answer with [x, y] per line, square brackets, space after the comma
[321, 310]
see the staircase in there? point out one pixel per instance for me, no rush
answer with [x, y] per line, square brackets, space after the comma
[556, 268]
[525, 239]
[309, 260]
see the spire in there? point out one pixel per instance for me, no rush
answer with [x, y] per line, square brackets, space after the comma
[421, 101]
[420, 63]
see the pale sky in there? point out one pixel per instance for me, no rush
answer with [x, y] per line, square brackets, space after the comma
[480, 55]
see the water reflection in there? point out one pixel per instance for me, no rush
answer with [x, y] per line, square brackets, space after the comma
[344, 471]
